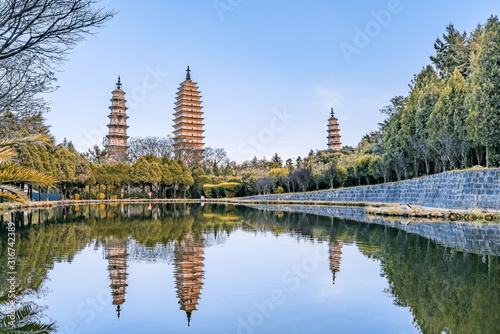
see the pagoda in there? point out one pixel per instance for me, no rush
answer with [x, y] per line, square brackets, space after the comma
[117, 266]
[188, 133]
[188, 272]
[333, 133]
[117, 137]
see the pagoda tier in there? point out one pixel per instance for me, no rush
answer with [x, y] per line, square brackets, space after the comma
[333, 133]
[188, 261]
[117, 136]
[188, 121]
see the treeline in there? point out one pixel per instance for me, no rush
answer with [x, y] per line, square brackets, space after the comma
[451, 117]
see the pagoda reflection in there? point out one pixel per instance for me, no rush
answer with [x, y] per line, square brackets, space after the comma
[188, 272]
[117, 258]
[335, 255]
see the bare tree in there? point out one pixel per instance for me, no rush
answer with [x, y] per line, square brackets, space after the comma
[215, 156]
[158, 146]
[35, 37]
[265, 185]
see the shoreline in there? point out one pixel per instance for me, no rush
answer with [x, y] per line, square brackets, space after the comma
[375, 209]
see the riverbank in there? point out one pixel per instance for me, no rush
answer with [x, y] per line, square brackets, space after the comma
[376, 209]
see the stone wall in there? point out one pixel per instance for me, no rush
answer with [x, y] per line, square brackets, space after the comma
[469, 237]
[451, 190]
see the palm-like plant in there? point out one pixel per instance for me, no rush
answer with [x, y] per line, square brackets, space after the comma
[12, 173]
[26, 319]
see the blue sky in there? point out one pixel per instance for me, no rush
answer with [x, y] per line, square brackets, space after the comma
[268, 70]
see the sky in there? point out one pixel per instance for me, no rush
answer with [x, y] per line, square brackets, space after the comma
[268, 71]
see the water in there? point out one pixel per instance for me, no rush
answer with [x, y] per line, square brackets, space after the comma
[226, 269]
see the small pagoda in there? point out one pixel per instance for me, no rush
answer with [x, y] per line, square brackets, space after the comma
[334, 143]
[188, 122]
[117, 137]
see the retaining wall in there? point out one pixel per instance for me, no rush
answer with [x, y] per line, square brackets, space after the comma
[451, 190]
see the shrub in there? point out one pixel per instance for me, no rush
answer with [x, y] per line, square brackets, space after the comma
[204, 179]
[76, 197]
[208, 190]
[230, 189]
[114, 197]
[217, 180]
[101, 196]
[234, 179]
[280, 190]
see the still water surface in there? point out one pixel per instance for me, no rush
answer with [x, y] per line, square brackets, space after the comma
[226, 269]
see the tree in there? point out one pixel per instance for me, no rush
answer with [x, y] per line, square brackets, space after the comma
[277, 159]
[198, 180]
[448, 121]
[361, 167]
[483, 98]
[214, 156]
[35, 37]
[451, 52]
[342, 175]
[303, 176]
[139, 173]
[158, 147]
[96, 155]
[66, 168]
[12, 173]
[331, 171]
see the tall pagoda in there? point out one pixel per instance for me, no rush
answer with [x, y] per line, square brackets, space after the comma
[117, 137]
[333, 133]
[188, 133]
[188, 273]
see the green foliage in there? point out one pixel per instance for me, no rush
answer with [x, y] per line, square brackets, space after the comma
[230, 189]
[208, 190]
[342, 175]
[483, 98]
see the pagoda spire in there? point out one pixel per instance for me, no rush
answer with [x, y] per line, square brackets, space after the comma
[188, 74]
[332, 114]
[119, 84]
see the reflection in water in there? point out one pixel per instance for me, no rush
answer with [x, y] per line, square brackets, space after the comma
[189, 273]
[117, 258]
[445, 289]
[335, 254]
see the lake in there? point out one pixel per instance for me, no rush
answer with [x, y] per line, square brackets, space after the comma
[194, 268]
